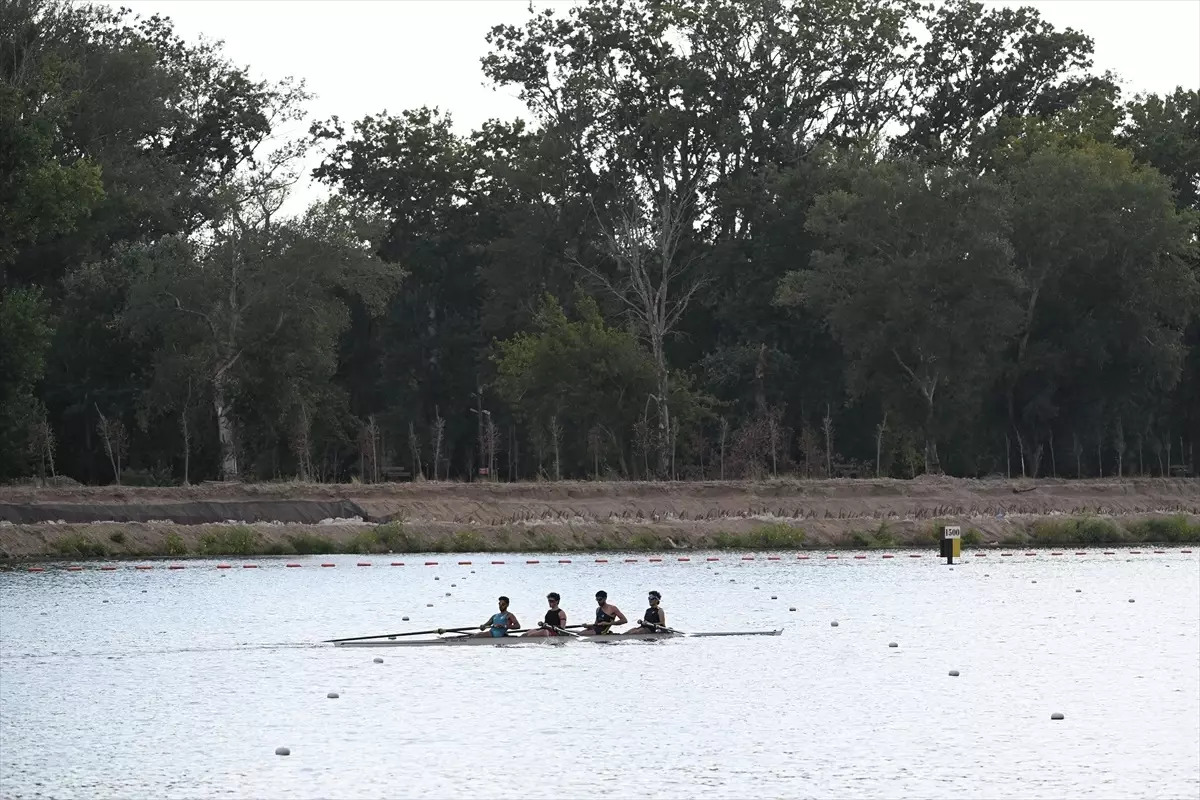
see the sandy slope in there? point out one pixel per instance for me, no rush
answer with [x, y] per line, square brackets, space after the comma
[570, 515]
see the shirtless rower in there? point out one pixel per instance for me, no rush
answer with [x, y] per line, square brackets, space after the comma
[607, 615]
[554, 616]
[499, 623]
[654, 620]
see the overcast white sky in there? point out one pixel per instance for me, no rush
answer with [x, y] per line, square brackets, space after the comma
[364, 56]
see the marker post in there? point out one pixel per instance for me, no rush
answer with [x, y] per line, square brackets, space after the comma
[951, 542]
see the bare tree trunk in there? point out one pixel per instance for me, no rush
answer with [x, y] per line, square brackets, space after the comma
[1077, 448]
[827, 427]
[879, 431]
[1119, 443]
[674, 447]
[104, 428]
[414, 450]
[491, 448]
[555, 438]
[1007, 456]
[1169, 473]
[185, 429]
[439, 432]
[512, 453]
[1020, 449]
[773, 436]
[644, 238]
[1053, 458]
[479, 421]
[225, 433]
[724, 436]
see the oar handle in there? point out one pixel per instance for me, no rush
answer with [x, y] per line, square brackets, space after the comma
[657, 627]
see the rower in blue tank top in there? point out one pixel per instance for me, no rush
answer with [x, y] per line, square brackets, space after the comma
[500, 623]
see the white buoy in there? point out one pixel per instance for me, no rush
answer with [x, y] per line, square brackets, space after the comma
[282, 751]
[378, 660]
[1057, 715]
[332, 695]
[953, 673]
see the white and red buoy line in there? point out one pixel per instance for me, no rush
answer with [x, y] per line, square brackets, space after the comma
[175, 566]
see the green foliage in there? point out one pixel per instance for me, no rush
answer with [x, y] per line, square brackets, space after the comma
[25, 332]
[310, 544]
[1013, 254]
[775, 536]
[174, 544]
[78, 546]
[897, 238]
[1086, 530]
[584, 375]
[466, 541]
[1173, 530]
[646, 540]
[972, 537]
[879, 539]
[234, 540]
[117, 537]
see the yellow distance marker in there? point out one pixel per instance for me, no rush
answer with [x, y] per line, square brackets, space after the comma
[950, 542]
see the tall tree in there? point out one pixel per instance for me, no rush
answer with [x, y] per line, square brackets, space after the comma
[914, 276]
[1106, 289]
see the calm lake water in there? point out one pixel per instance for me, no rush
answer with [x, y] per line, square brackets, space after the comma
[181, 684]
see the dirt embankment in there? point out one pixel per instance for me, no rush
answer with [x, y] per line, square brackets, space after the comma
[572, 515]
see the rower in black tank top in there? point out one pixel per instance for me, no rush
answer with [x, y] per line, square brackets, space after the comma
[553, 620]
[652, 615]
[602, 618]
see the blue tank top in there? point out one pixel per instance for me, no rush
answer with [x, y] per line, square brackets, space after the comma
[499, 624]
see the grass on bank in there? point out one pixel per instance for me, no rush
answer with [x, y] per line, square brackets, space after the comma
[395, 537]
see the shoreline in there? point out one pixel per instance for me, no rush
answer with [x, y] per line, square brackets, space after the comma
[129, 541]
[40, 522]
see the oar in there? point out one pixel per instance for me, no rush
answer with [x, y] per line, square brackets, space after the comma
[563, 630]
[660, 628]
[406, 633]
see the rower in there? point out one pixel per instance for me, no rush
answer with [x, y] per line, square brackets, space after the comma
[555, 617]
[607, 615]
[654, 620]
[499, 623]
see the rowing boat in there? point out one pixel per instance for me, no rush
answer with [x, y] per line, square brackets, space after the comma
[459, 641]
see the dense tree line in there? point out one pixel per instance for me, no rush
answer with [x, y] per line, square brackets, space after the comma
[737, 238]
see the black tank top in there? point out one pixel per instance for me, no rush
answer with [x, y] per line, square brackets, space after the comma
[601, 618]
[553, 618]
[652, 615]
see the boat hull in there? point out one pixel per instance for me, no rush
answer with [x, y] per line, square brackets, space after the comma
[510, 641]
